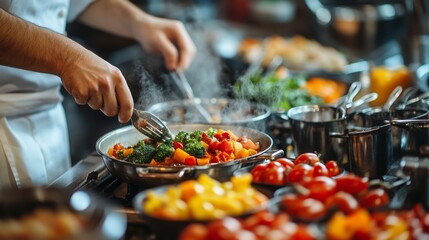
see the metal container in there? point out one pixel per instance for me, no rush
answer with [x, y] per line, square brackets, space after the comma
[312, 126]
[416, 135]
[102, 221]
[370, 151]
[222, 110]
[403, 140]
[147, 175]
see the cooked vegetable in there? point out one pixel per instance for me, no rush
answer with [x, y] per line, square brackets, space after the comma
[142, 153]
[163, 151]
[195, 148]
[279, 93]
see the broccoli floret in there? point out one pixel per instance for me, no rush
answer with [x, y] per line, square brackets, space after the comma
[211, 131]
[182, 137]
[195, 148]
[162, 151]
[195, 135]
[142, 153]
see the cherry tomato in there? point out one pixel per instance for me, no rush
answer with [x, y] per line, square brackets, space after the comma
[343, 201]
[225, 228]
[287, 163]
[299, 173]
[275, 175]
[302, 233]
[177, 145]
[194, 232]
[308, 158]
[320, 187]
[258, 173]
[352, 184]
[306, 209]
[319, 169]
[333, 168]
[374, 198]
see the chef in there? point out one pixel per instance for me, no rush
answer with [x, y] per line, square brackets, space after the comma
[36, 57]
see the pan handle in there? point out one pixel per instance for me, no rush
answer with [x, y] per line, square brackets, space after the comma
[170, 175]
[268, 155]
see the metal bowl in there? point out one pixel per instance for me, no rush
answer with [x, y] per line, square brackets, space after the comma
[147, 175]
[101, 221]
[222, 111]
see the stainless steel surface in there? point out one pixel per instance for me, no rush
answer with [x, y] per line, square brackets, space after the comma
[370, 151]
[150, 125]
[146, 175]
[393, 97]
[359, 103]
[311, 126]
[88, 169]
[402, 139]
[186, 88]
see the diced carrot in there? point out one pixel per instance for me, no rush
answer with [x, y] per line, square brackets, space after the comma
[203, 161]
[179, 156]
[128, 151]
[243, 153]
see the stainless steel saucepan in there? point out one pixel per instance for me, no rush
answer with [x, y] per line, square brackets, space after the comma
[147, 175]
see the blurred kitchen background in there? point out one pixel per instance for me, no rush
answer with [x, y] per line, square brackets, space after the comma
[385, 32]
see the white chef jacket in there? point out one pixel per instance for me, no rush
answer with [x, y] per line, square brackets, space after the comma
[34, 143]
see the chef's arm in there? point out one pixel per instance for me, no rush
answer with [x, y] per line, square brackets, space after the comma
[156, 35]
[87, 77]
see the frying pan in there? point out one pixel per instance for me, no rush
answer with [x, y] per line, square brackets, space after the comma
[147, 175]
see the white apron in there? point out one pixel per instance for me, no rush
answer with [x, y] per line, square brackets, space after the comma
[34, 143]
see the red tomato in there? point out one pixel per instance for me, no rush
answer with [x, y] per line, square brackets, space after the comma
[287, 163]
[352, 184]
[333, 168]
[265, 218]
[177, 145]
[319, 169]
[194, 232]
[308, 158]
[342, 201]
[258, 173]
[374, 198]
[274, 165]
[308, 209]
[191, 161]
[302, 233]
[299, 173]
[320, 187]
[275, 175]
[225, 228]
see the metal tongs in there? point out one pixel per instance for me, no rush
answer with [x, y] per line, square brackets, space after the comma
[183, 84]
[150, 125]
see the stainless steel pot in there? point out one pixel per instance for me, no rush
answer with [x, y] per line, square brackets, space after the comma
[403, 140]
[370, 151]
[222, 111]
[311, 128]
[144, 174]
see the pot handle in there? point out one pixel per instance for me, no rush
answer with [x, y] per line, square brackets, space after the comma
[268, 155]
[170, 175]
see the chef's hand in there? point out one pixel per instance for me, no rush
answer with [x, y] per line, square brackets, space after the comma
[93, 81]
[166, 37]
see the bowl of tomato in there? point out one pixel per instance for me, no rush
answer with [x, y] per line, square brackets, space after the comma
[269, 176]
